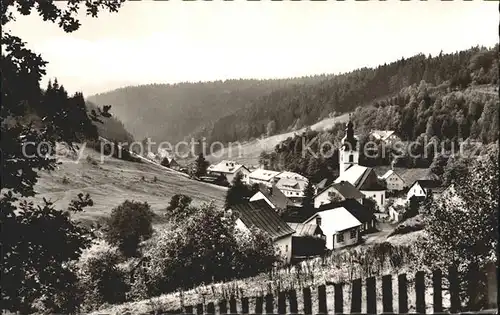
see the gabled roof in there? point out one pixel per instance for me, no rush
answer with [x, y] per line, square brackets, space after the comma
[338, 219]
[346, 189]
[389, 173]
[362, 213]
[275, 196]
[292, 184]
[382, 134]
[302, 229]
[361, 177]
[263, 174]
[428, 184]
[323, 184]
[225, 166]
[409, 175]
[291, 175]
[260, 215]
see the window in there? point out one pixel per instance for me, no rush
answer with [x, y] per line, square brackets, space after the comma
[286, 248]
[351, 158]
[353, 234]
[340, 238]
[382, 199]
[318, 221]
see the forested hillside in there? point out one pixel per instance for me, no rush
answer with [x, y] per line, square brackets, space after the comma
[237, 110]
[435, 118]
[170, 112]
[304, 104]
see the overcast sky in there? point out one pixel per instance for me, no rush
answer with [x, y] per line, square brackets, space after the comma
[165, 42]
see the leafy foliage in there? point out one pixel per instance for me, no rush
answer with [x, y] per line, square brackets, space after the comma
[308, 200]
[100, 279]
[238, 192]
[462, 224]
[207, 248]
[179, 207]
[129, 224]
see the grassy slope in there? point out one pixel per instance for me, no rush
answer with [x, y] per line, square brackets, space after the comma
[114, 181]
[250, 151]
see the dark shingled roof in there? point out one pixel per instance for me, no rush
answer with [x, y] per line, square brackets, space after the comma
[360, 212]
[428, 183]
[346, 189]
[275, 196]
[259, 214]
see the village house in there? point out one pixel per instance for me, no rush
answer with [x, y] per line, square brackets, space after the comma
[290, 175]
[229, 169]
[262, 176]
[362, 213]
[367, 182]
[260, 215]
[341, 191]
[293, 188]
[339, 226]
[308, 240]
[421, 189]
[387, 136]
[393, 181]
[273, 196]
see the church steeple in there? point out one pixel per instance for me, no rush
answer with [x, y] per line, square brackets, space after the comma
[350, 141]
[348, 154]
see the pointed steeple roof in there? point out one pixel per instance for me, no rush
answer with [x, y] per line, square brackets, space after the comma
[350, 141]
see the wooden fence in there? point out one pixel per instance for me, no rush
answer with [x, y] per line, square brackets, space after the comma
[287, 302]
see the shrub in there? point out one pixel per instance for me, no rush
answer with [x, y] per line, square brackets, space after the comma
[410, 225]
[100, 279]
[129, 224]
[179, 207]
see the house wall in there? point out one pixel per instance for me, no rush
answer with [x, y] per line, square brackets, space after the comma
[291, 193]
[325, 196]
[394, 182]
[252, 180]
[378, 196]
[415, 190]
[333, 243]
[284, 246]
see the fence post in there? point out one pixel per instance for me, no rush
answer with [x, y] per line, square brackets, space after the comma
[258, 304]
[211, 308]
[437, 277]
[371, 296]
[492, 286]
[454, 290]
[402, 294]
[269, 304]
[339, 298]
[307, 300]
[420, 292]
[189, 309]
[223, 306]
[244, 305]
[232, 305]
[282, 302]
[199, 309]
[322, 300]
[356, 296]
[292, 299]
[387, 294]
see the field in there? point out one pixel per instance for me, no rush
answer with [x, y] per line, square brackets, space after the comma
[114, 181]
[248, 153]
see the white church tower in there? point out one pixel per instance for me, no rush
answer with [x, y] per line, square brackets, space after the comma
[349, 151]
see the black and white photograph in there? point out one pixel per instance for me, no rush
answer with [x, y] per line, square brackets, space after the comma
[249, 157]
